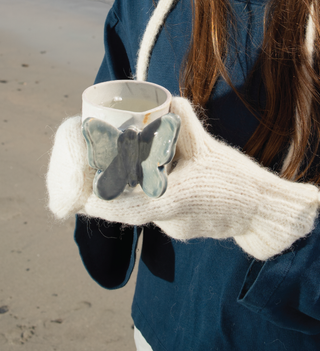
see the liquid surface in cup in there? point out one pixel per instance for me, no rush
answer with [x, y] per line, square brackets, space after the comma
[130, 104]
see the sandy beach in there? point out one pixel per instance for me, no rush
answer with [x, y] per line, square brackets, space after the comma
[50, 52]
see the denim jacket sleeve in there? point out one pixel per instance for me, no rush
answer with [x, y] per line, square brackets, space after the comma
[107, 250]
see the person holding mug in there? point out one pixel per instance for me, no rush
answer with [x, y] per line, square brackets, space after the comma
[230, 258]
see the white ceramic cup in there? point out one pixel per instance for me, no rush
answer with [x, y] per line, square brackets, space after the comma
[123, 103]
[128, 106]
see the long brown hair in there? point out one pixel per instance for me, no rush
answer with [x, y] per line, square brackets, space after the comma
[291, 80]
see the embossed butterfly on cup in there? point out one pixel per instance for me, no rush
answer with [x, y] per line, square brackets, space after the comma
[128, 143]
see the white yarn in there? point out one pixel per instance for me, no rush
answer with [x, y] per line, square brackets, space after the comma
[216, 191]
[149, 38]
[309, 45]
[310, 35]
[69, 177]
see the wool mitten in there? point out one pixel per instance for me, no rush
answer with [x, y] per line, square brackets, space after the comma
[69, 177]
[216, 191]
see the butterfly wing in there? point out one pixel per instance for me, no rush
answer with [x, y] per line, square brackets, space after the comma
[157, 148]
[109, 184]
[101, 139]
[102, 142]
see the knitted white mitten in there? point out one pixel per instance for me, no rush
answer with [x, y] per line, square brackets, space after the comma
[216, 191]
[69, 177]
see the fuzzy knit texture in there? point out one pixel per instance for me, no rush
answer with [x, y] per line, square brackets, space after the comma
[69, 177]
[215, 191]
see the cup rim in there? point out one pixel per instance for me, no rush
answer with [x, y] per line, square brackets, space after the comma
[130, 81]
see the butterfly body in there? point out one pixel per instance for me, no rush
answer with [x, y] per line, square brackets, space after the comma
[128, 154]
[130, 157]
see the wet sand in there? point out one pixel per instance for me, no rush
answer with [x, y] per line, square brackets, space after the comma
[50, 52]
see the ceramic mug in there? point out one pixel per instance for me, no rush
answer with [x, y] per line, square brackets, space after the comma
[130, 135]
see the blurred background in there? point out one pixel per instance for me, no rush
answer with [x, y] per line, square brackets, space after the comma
[50, 51]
